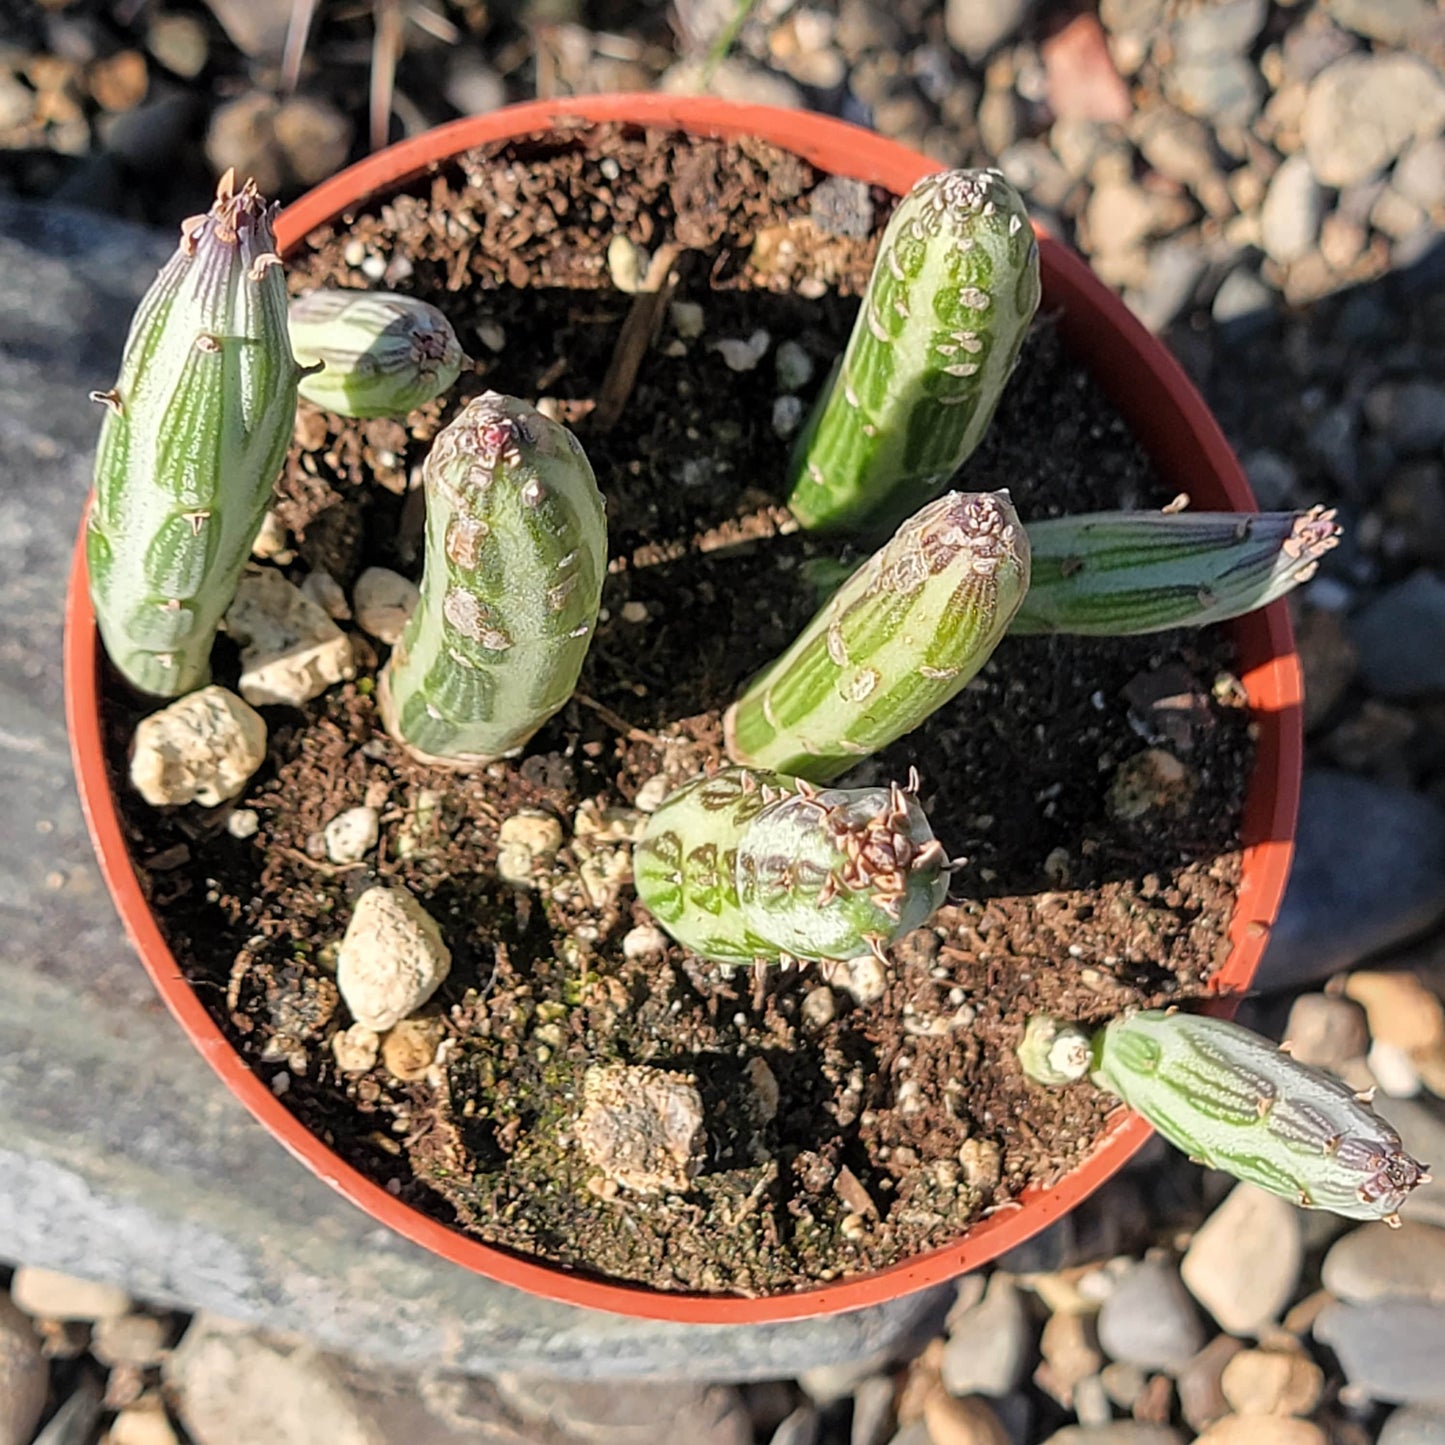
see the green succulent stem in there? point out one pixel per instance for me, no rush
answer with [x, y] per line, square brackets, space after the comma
[195, 432]
[753, 867]
[896, 641]
[1234, 1101]
[374, 353]
[951, 297]
[516, 552]
[1109, 574]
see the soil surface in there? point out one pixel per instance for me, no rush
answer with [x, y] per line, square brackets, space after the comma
[1091, 789]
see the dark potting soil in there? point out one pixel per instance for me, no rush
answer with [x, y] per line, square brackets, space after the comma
[851, 1122]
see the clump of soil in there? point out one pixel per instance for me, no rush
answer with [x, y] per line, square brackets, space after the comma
[850, 1121]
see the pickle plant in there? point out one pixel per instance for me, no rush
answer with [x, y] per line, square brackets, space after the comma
[948, 305]
[762, 862]
[748, 866]
[373, 353]
[1233, 1101]
[516, 550]
[195, 431]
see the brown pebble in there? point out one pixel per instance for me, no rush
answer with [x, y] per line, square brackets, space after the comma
[1201, 1401]
[1155, 1402]
[922, 1379]
[1070, 1347]
[1272, 1382]
[119, 82]
[1262, 1430]
[409, 1049]
[1302, 1316]
[969, 1421]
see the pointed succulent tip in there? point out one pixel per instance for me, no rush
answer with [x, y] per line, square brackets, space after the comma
[1312, 534]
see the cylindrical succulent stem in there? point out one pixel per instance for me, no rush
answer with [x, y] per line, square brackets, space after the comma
[751, 867]
[1234, 1101]
[895, 642]
[376, 353]
[1121, 573]
[196, 429]
[516, 551]
[953, 291]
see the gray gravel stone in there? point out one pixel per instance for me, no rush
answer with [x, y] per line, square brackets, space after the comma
[1244, 1262]
[989, 1346]
[1334, 440]
[1226, 89]
[1411, 414]
[1294, 206]
[601, 1414]
[1243, 306]
[1273, 479]
[872, 1411]
[977, 27]
[1414, 1425]
[24, 1376]
[1228, 27]
[800, 1428]
[1174, 271]
[75, 1421]
[1149, 1319]
[1326, 1031]
[1419, 175]
[1369, 872]
[1375, 1262]
[234, 1387]
[1390, 1349]
[1396, 22]
[1364, 110]
[1399, 634]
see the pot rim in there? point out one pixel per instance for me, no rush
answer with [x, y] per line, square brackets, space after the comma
[1166, 414]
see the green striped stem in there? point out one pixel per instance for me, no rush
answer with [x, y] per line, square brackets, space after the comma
[1234, 1101]
[377, 353]
[516, 551]
[196, 429]
[953, 291]
[752, 867]
[1110, 574]
[894, 643]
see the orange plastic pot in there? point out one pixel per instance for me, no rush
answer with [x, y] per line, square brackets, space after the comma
[1166, 414]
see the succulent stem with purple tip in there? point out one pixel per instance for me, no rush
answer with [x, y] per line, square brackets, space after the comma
[952, 293]
[516, 551]
[196, 429]
[375, 353]
[1111, 574]
[750, 867]
[1234, 1101]
[896, 641]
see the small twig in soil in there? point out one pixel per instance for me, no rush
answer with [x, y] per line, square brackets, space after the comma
[615, 720]
[638, 329]
[239, 969]
[329, 869]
